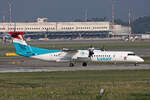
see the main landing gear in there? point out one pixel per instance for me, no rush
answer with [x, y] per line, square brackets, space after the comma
[84, 64]
[71, 64]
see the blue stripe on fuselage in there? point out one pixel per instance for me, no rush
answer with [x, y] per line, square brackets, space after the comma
[29, 51]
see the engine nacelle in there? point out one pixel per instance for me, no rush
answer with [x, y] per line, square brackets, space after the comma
[81, 54]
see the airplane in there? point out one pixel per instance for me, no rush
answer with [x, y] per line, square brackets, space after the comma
[4, 36]
[71, 56]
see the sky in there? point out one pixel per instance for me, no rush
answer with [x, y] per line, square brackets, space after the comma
[68, 10]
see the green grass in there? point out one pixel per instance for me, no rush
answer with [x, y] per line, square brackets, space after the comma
[110, 46]
[77, 85]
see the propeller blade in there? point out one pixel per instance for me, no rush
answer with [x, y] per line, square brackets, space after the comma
[91, 52]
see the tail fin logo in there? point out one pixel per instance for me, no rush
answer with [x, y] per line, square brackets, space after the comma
[17, 35]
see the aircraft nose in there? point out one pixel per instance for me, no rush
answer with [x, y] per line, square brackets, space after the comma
[141, 59]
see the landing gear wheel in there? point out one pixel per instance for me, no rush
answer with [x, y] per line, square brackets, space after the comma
[71, 65]
[84, 64]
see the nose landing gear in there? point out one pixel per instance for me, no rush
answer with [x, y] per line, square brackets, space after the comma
[135, 64]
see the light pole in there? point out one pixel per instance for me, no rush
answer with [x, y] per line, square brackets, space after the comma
[10, 10]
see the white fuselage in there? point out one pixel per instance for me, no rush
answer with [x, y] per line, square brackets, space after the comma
[98, 56]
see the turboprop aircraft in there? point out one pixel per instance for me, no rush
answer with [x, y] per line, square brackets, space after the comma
[71, 56]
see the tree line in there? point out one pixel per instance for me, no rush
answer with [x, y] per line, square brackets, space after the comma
[140, 25]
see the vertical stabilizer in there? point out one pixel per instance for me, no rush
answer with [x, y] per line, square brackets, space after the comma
[20, 44]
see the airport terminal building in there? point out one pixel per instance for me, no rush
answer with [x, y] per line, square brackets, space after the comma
[42, 27]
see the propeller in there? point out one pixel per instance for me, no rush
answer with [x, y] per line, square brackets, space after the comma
[91, 51]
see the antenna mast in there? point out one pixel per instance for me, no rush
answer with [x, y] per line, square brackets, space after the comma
[4, 17]
[86, 15]
[10, 10]
[129, 24]
[113, 18]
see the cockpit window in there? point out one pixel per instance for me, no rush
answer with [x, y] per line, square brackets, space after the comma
[131, 54]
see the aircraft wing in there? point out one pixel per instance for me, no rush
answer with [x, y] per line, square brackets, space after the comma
[70, 51]
[75, 55]
[69, 56]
